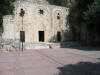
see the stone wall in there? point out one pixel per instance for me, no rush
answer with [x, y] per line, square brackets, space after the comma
[8, 23]
[38, 17]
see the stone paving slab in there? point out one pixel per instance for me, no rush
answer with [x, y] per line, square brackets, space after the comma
[43, 61]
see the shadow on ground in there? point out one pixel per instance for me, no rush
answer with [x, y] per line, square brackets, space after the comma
[79, 46]
[87, 48]
[81, 68]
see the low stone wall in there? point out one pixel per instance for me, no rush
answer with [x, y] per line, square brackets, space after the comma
[41, 45]
[8, 45]
[15, 45]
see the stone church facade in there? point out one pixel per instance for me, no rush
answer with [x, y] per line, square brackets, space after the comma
[41, 22]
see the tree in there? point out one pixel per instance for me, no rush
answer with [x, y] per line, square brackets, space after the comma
[77, 20]
[92, 17]
[6, 8]
[58, 2]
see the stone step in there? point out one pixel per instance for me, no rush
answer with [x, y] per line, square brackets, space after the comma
[36, 46]
[41, 45]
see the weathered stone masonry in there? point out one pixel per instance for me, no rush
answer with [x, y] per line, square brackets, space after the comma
[42, 22]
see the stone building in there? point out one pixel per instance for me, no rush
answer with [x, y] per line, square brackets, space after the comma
[36, 21]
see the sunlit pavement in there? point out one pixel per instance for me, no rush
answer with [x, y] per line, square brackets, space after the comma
[43, 61]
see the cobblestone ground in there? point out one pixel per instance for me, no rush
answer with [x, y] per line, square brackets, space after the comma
[50, 62]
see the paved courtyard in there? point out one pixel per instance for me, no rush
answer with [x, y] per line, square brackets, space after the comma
[50, 62]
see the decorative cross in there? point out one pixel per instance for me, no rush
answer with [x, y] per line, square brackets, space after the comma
[41, 11]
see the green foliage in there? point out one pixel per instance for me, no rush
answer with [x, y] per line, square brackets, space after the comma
[86, 13]
[92, 17]
[93, 14]
[1, 28]
[74, 12]
[76, 15]
[55, 2]
[77, 10]
[58, 2]
[6, 8]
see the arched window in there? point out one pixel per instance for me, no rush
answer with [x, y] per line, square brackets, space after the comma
[58, 16]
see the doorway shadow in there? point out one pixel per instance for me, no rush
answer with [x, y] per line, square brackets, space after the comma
[81, 68]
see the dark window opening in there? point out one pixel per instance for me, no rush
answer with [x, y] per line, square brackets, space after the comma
[22, 36]
[58, 17]
[58, 14]
[41, 36]
[59, 36]
[41, 11]
[22, 12]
